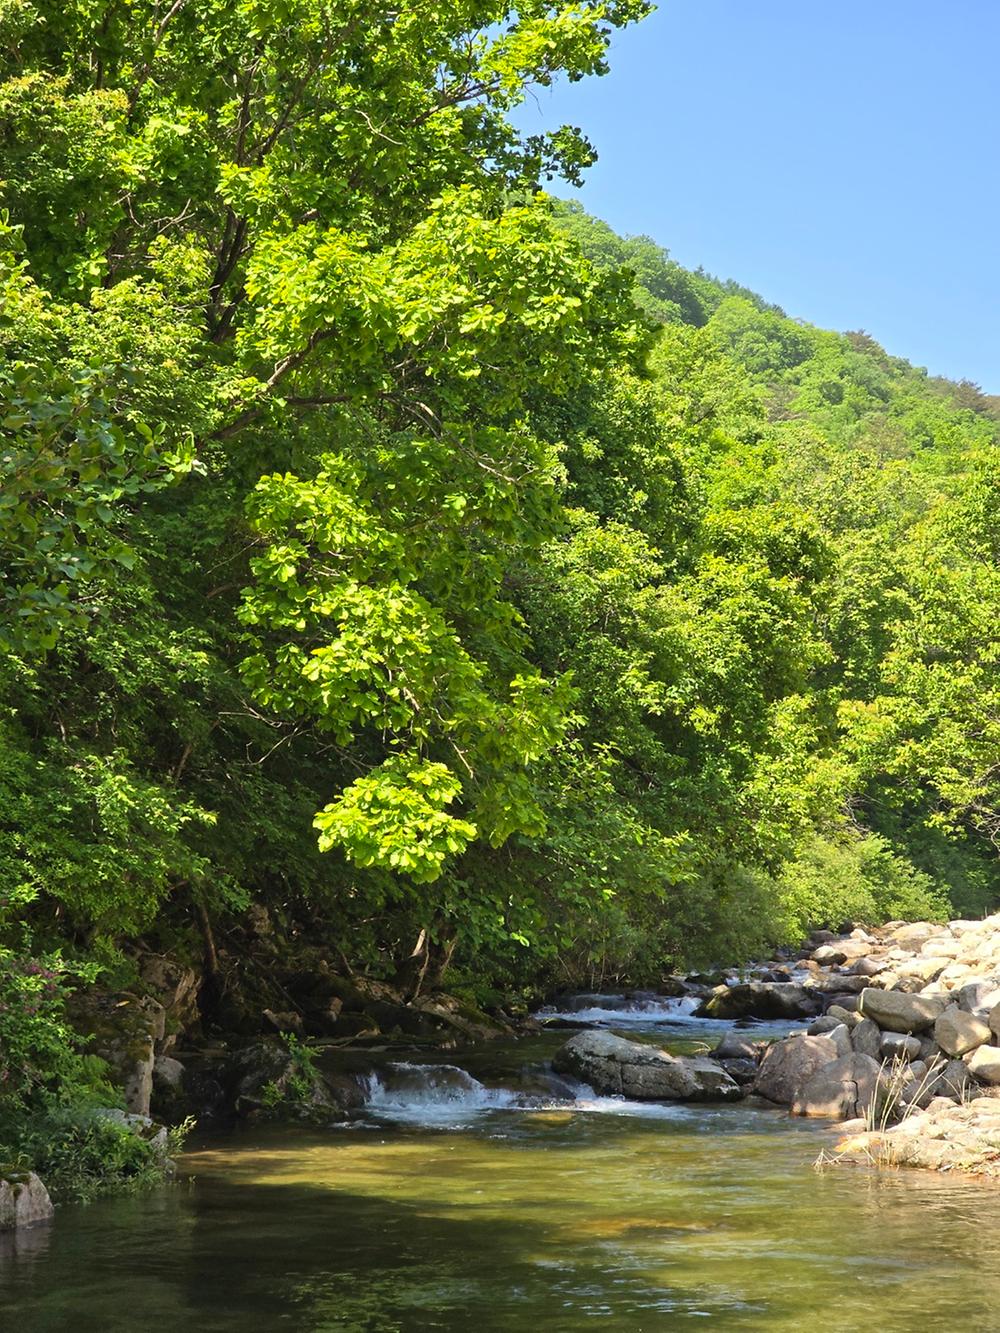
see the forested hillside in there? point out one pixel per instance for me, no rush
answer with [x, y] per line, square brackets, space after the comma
[390, 547]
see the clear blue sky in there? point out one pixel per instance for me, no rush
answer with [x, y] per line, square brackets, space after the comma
[839, 158]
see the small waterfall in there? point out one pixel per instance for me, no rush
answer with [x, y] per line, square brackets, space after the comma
[620, 1011]
[425, 1094]
[449, 1097]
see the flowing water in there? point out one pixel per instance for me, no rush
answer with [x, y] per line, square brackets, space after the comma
[490, 1194]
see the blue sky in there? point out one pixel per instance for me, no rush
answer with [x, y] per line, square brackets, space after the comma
[839, 158]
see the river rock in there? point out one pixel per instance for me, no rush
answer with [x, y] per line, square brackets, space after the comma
[789, 1064]
[866, 1038]
[994, 1020]
[614, 1066]
[979, 995]
[914, 934]
[273, 1081]
[867, 967]
[733, 1046]
[957, 1032]
[742, 1072]
[836, 983]
[843, 1014]
[841, 1038]
[984, 1064]
[942, 1137]
[820, 1026]
[850, 1086]
[898, 1011]
[168, 1073]
[24, 1200]
[759, 999]
[898, 1045]
[956, 1080]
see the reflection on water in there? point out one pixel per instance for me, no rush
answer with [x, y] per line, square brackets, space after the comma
[517, 1202]
[551, 1220]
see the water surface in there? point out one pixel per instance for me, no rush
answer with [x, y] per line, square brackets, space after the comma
[459, 1203]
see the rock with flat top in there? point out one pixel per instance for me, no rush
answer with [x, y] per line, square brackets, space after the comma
[759, 999]
[899, 1046]
[617, 1067]
[898, 1011]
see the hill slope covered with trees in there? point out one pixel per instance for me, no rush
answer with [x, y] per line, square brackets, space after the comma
[390, 547]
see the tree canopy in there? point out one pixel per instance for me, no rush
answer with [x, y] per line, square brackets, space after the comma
[389, 544]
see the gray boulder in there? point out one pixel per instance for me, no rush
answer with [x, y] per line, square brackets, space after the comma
[24, 1200]
[742, 1072]
[617, 1067]
[733, 1046]
[849, 1087]
[790, 1063]
[843, 1013]
[866, 1039]
[759, 999]
[979, 995]
[898, 1045]
[867, 967]
[957, 1031]
[168, 1073]
[955, 1080]
[898, 1011]
[841, 1038]
[828, 1023]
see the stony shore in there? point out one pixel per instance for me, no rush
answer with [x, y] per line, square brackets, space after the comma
[903, 1043]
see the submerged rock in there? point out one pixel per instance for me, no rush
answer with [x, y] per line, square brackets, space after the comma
[618, 1067]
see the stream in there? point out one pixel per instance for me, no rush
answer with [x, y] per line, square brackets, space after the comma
[481, 1191]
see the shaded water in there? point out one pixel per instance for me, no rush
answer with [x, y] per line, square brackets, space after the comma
[524, 1205]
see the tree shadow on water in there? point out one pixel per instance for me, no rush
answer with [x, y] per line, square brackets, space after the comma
[218, 1255]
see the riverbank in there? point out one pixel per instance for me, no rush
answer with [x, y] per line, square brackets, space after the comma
[450, 1205]
[896, 1030]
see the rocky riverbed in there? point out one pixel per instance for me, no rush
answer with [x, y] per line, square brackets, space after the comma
[904, 1042]
[894, 1031]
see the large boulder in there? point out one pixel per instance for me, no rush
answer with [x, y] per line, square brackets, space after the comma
[24, 1200]
[914, 934]
[849, 1087]
[759, 999]
[790, 1063]
[898, 1011]
[274, 1081]
[617, 1067]
[957, 1032]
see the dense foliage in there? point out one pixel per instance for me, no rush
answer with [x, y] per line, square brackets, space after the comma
[390, 547]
